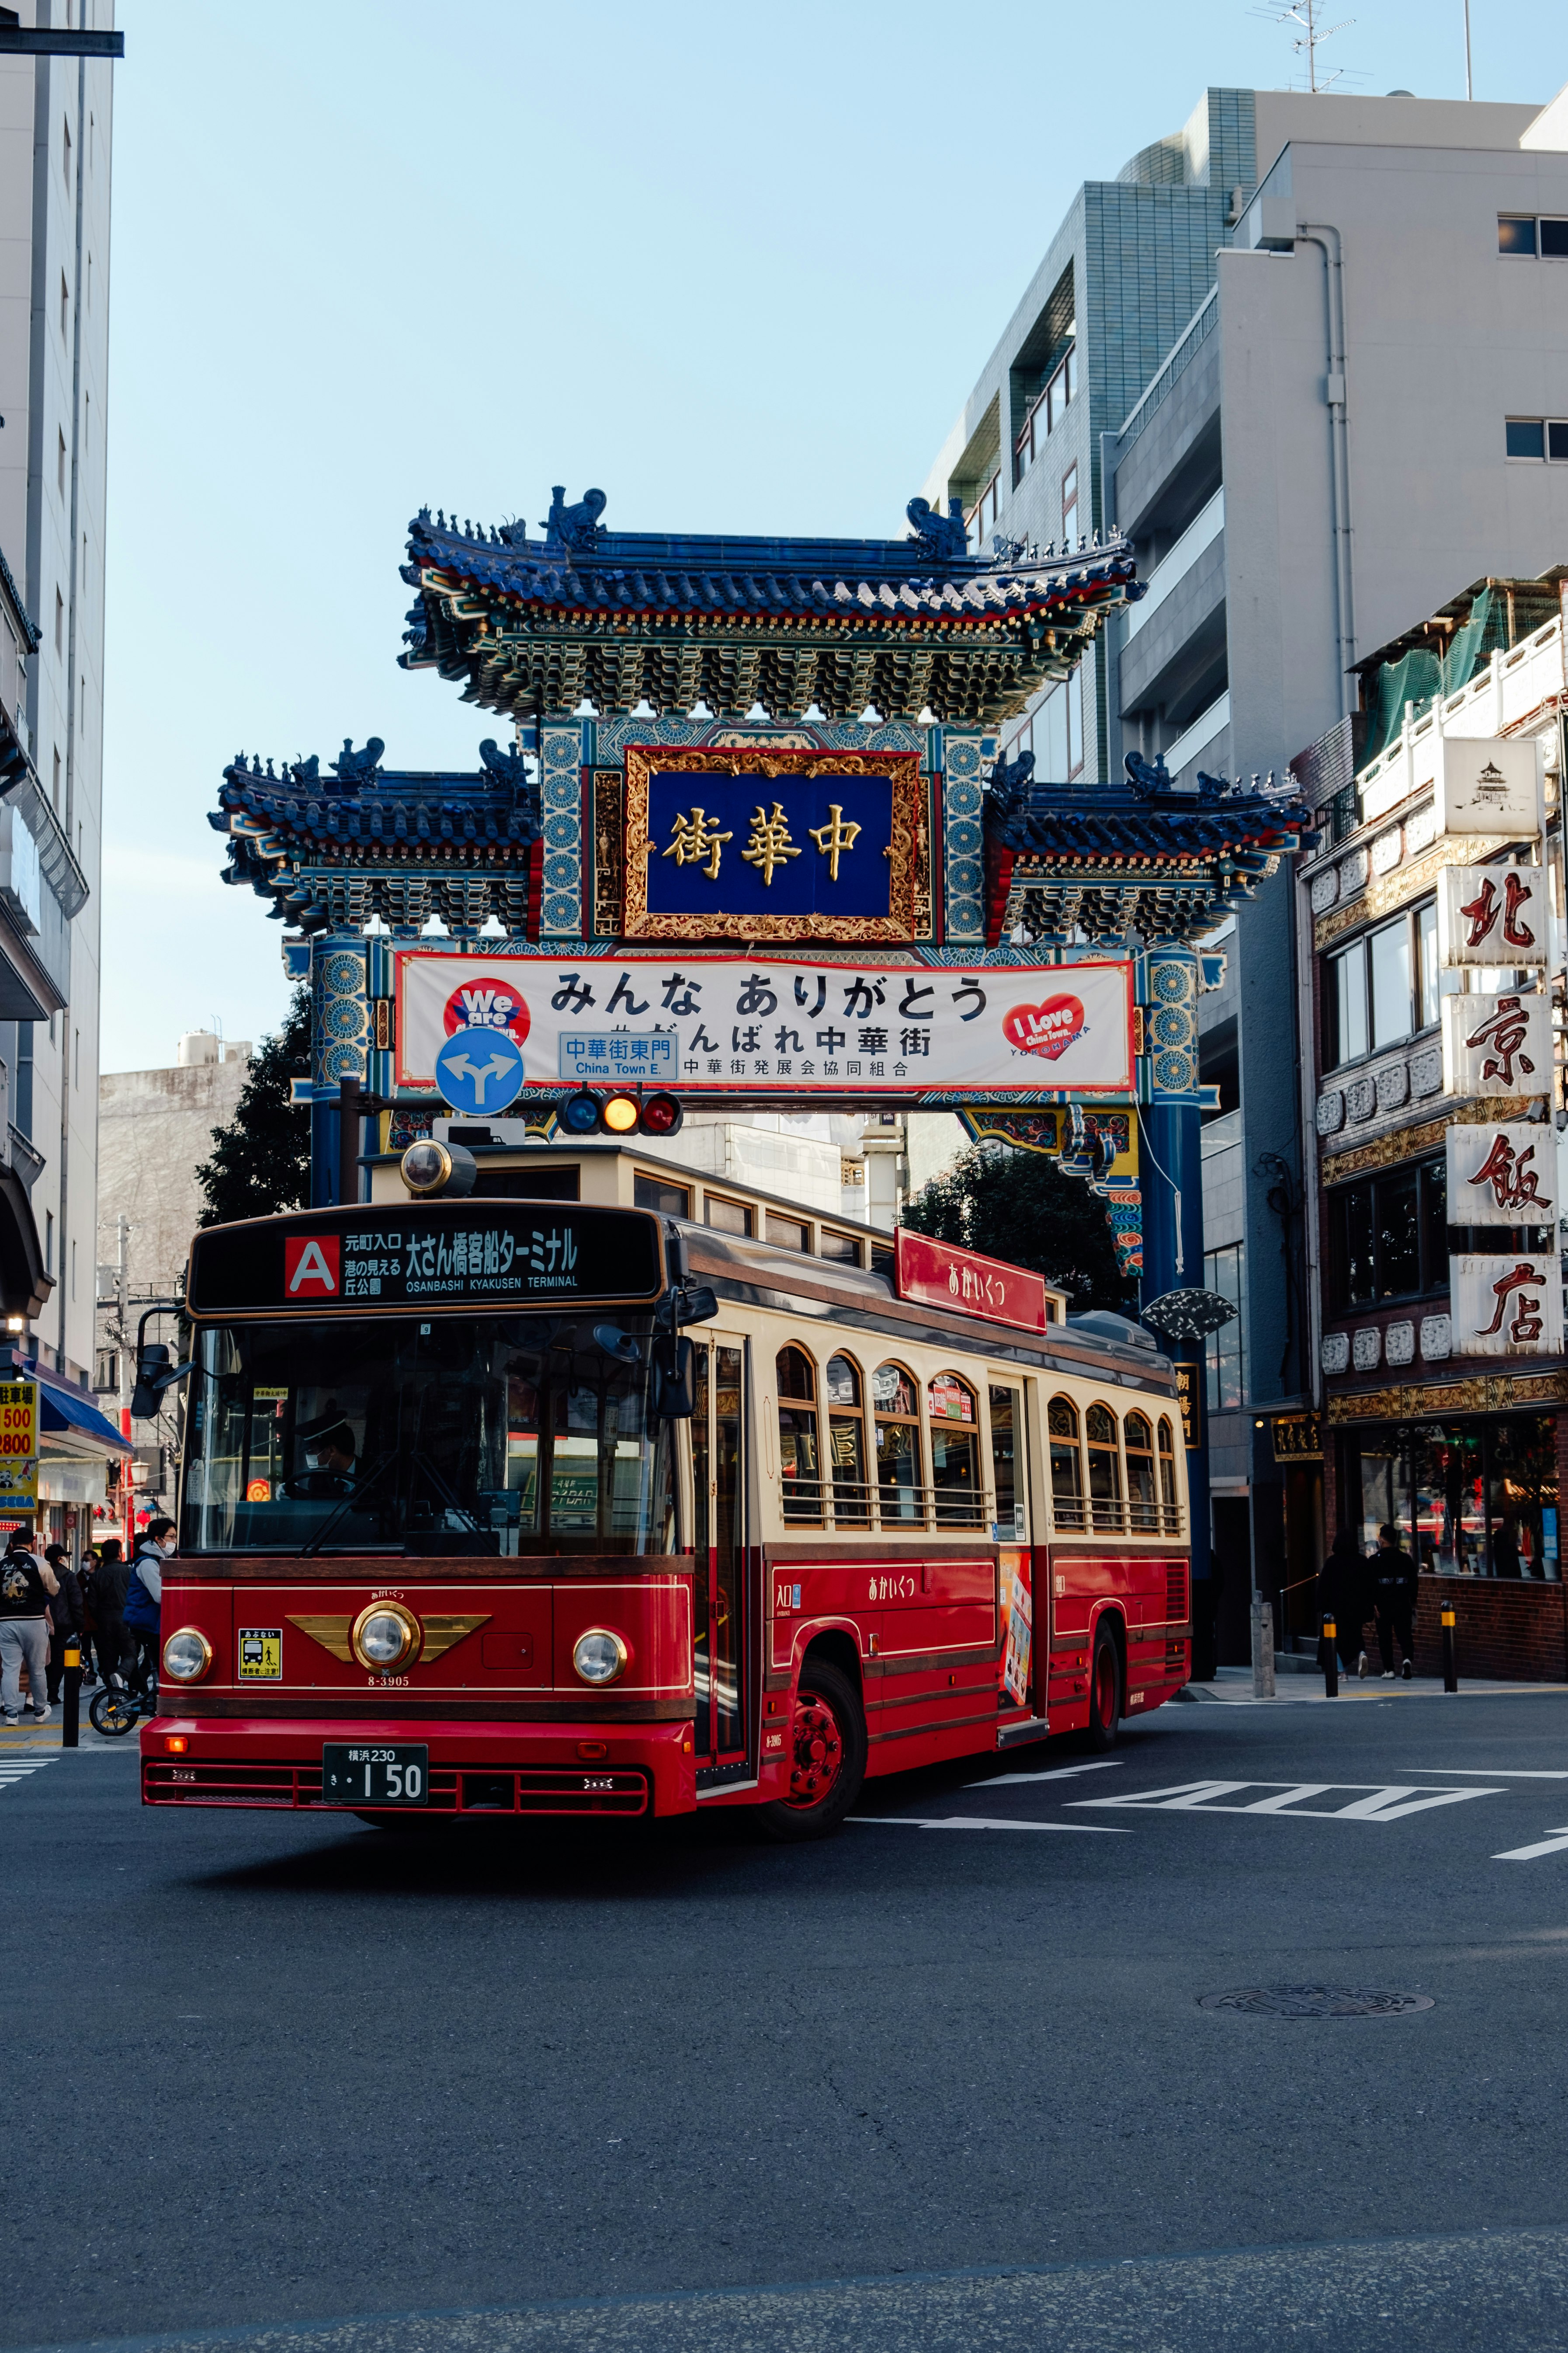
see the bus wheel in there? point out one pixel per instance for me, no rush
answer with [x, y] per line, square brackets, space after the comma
[1104, 1690]
[827, 1760]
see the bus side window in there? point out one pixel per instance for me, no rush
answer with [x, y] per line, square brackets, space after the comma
[1067, 1465]
[1168, 1481]
[895, 1401]
[1140, 1440]
[954, 1452]
[1104, 1467]
[846, 1444]
[797, 1436]
[1006, 1427]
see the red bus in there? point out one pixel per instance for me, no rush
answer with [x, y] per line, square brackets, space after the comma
[514, 1506]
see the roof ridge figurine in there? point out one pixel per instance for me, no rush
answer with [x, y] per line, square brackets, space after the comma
[943, 537]
[576, 529]
[356, 768]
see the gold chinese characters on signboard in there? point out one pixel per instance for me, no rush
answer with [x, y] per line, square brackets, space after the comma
[758, 843]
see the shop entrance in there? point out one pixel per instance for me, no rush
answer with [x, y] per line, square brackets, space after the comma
[1472, 1497]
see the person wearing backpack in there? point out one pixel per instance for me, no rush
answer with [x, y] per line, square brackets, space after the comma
[26, 1588]
[65, 1610]
[145, 1593]
[110, 1580]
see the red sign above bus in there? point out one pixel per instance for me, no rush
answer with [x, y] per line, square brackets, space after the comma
[939, 1274]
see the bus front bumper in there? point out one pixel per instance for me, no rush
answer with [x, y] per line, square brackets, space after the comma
[479, 1769]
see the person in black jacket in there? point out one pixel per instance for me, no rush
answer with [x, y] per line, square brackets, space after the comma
[64, 1609]
[1394, 1575]
[1342, 1595]
[110, 1580]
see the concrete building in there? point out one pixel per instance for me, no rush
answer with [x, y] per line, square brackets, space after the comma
[56, 117]
[1447, 1419]
[1308, 353]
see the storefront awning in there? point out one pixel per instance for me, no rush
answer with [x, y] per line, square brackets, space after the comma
[62, 1408]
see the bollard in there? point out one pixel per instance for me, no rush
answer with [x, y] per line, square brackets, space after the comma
[1262, 1649]
[1450, 1672]
[1330, 1659]
[71, 1719]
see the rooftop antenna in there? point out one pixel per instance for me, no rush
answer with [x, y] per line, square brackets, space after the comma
[1305, 13]
[1470, 87]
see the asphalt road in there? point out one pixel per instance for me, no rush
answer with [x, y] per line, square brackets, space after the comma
[942, 2081]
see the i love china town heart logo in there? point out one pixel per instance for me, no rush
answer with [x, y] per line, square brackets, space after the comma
[1048, 1029]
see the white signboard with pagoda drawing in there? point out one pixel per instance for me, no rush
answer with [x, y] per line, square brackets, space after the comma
[1487, 784]
[1498, 1045]
[1502, 1174]
[1507, 1305]
[1491, 916]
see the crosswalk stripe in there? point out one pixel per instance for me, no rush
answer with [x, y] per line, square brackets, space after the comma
[1552, 1844]
[984, 1822]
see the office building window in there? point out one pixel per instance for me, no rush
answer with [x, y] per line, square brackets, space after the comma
[65, 310]
[1046, 413]
[980, 520]
[61, 466]
[729, 1217]
[65, 154]
[1388, 1236]
[1225, 1350]
[59, 623]
[1532, 237]
[1070, 507]
[653, 1193]
[1539, 437]
[785, 1233]
[1054, 733]
[1385, 986]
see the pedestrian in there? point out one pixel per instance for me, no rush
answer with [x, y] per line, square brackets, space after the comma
[89, 1618]
[1394, 1575]
[1341, 1587]
[145, 1592]
[110, 1580]
[65, 1611]
[26, 1588]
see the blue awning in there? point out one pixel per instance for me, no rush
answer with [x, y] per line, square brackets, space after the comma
[60, 1408]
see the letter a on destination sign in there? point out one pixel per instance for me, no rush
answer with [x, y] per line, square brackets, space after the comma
[311, 1264]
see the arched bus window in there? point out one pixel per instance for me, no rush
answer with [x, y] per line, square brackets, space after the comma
[1104, 1467]
[1168, 1481]
[1067, 1465]
[1143, 1512]
[954, 1452]
[895, 1403]
[797, 1436]
[847, 1443]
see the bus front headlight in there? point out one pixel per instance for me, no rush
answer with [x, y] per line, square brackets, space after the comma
[384, 1637]
[599, 1656]
[187, 1655]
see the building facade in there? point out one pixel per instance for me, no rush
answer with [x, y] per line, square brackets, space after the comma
[56, 127]
[1300, 352]
[1434, 905]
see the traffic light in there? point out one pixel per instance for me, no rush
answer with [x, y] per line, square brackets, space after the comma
[619, 1112]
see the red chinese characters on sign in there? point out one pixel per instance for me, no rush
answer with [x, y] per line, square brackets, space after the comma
[1482, 914]
[1512, 1176]
[939, 1274]
[1519, 1297]
[1503, 1039]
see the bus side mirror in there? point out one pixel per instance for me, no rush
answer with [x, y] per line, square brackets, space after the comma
[696, 1303]
[675, 1379]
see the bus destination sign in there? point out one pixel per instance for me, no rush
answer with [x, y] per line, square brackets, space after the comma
[461, 1253]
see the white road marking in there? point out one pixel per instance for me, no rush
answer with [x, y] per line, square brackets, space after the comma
[1038, 1780]
[1379, 1803]
[981, 1822]
[10, 1772]
[1552, 1844]
[1489, 1772]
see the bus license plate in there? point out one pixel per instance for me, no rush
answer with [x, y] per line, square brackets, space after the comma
[370, 1773]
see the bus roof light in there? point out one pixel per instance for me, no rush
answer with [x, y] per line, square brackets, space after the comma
[430, 1166]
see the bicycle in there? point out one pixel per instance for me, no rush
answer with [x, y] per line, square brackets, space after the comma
[116, 1709]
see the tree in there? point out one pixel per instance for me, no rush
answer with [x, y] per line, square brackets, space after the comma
[1018, 1206]
[261, 1161]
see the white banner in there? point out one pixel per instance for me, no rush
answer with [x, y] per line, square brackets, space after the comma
[1490, 915]
[1497, 1045]
[1487, 784]
[1507, 1306]
[1502, 1175]
[763, 1026]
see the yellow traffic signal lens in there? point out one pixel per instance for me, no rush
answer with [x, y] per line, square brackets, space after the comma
[619, 1115]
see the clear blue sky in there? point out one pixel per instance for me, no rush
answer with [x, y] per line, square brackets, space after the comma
[738, 264]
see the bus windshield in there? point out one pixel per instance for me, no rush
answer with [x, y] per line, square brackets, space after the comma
[452, 1435]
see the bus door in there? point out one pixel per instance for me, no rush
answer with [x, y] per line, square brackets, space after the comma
[719, 1585]
[1010, 1533]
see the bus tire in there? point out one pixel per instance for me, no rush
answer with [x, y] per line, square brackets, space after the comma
[1104, 1689]
[828, 1760]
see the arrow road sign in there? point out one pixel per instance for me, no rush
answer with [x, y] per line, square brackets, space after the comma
[479, 1071]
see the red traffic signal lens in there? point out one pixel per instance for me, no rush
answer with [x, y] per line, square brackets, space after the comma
[662, 1115]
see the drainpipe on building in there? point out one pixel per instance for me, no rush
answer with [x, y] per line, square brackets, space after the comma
[68, 1060]
[1327, 240]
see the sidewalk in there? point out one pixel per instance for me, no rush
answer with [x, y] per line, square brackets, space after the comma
[30, 1739]
[1232, 1687]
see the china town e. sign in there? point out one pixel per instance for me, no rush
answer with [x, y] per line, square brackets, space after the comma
[756, 1028]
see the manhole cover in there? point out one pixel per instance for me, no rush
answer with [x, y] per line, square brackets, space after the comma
[1317, 2001]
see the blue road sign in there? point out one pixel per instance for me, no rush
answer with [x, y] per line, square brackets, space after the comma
[480, 1072]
